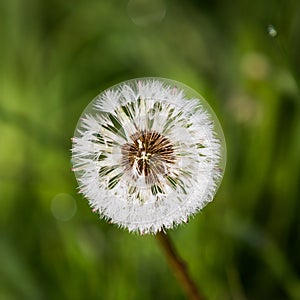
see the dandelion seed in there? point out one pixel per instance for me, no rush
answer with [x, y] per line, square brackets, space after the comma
[272, 31]
[148, 154]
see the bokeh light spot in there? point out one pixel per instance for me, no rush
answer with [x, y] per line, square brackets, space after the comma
[63, 207]
[255, 66]
[146, 12]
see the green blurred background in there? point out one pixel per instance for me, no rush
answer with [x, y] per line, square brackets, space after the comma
[56, 56]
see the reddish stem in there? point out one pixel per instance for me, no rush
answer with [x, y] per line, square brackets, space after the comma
[179, 267]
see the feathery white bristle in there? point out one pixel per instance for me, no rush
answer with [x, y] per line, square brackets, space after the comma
[185, 175]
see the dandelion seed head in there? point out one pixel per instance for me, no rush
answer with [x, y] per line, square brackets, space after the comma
[148, 153]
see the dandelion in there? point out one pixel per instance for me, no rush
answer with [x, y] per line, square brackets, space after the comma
[148, 153]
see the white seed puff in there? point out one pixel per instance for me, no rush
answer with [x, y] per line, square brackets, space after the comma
[146, 155]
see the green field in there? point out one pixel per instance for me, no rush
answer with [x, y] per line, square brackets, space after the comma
[243, 57]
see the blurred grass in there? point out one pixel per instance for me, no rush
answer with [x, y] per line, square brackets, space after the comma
[55, 56]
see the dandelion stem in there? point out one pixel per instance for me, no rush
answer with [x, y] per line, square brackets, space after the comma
[179, 267]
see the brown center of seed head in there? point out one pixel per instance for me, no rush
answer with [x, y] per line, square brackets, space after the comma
[149, 154]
